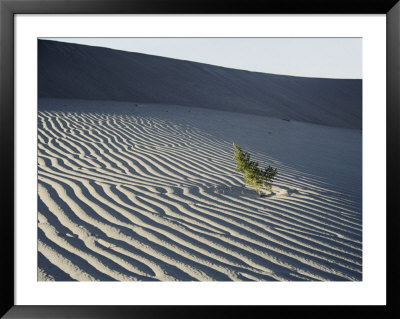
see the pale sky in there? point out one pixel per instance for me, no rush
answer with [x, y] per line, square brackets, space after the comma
[309, 57]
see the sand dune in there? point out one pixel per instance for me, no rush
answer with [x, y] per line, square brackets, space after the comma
[134, 191]
[75, 71]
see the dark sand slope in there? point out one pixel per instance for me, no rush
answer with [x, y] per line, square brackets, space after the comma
[84, 72]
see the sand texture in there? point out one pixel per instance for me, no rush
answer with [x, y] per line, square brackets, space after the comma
[134, 191]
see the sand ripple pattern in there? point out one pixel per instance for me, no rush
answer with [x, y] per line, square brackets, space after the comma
[130, 197]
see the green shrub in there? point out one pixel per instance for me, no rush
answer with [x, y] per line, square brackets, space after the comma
[252, 174]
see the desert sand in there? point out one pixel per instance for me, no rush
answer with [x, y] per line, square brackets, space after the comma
[135, 191]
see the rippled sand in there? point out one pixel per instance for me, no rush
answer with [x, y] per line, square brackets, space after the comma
[133, 192]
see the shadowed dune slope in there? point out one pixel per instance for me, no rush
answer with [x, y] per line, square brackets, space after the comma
[75, 71]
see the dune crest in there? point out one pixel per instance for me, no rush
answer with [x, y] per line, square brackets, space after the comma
[74, 71]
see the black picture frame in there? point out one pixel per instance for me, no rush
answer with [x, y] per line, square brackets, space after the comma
[8, 10]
